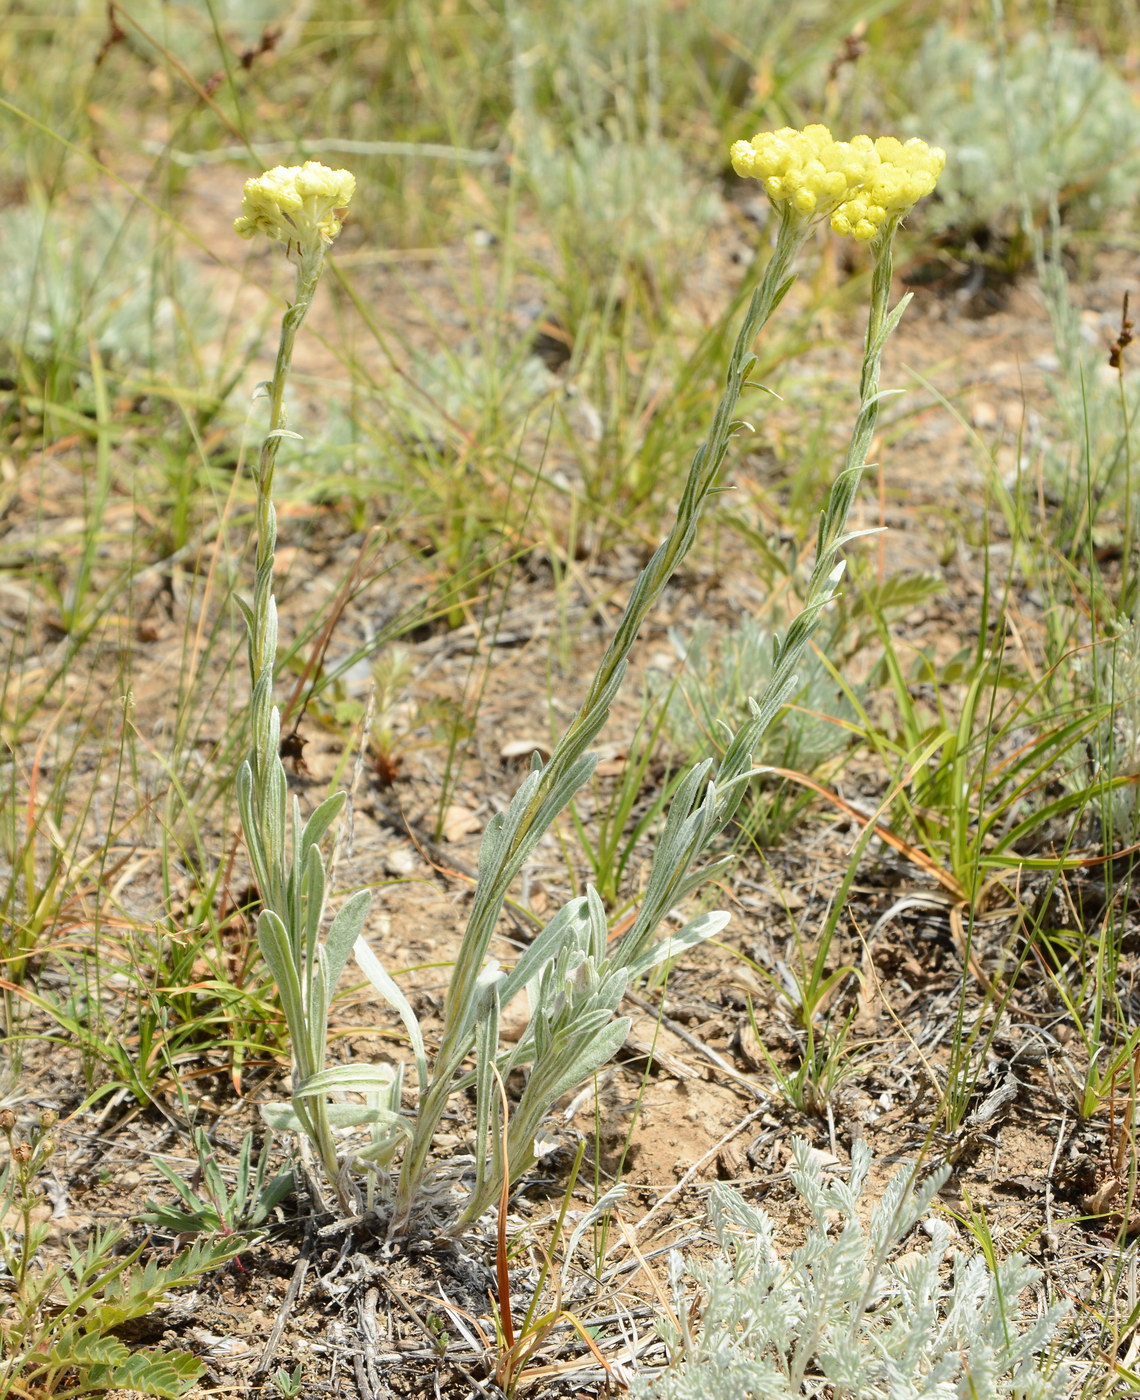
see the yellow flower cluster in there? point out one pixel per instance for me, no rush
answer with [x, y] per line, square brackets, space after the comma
[296, 203]
[860, 183]
[805, 169]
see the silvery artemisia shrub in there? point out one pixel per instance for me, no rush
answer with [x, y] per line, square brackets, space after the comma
[724, 666]
[847, 1314]
[1046, 120]
[68, 286]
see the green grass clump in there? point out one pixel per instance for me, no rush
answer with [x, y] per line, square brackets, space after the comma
[98, 282]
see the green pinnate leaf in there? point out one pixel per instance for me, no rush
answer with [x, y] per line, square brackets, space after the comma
[85, 1350]
[139, 1291]
[165, 1374]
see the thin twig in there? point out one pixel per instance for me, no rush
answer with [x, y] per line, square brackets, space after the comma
[393, 1292]
[707, 1051]
[431, 150]
[299, 1272]
[745, 1122]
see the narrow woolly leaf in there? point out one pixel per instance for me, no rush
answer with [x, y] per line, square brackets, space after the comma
[589, 1052]
[309, 905]
[488, 1145]
[546, 946]
[357, 1115]
[374, 970]
[694, 932]
[343, 933]
[342, 1078]
[282, 1117]
[321, 818]
[277, 950]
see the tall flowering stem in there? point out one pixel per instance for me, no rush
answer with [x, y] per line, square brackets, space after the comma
[827, 571]
[296, 206]
[865, 188]
[861, 185]
[512, 835]
[265, 752]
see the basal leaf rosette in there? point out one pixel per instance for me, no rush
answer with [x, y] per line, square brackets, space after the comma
[863, 185]
[298, 204]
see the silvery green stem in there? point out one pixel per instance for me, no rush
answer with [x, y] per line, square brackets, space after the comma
[823, 584]
[512, 835]
[289, 883]
[263, 633]
[696, 815]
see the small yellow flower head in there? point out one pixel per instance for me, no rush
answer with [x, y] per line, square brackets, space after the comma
[296, 204]
[858, 218]
[805, 170]
[862, 183]
[896, 176]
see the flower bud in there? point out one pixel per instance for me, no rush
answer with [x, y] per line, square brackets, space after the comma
[7, 1120]
[21, 1152]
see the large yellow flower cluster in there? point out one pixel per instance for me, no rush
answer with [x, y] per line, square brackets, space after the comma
[296, 203]
[860, 183]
